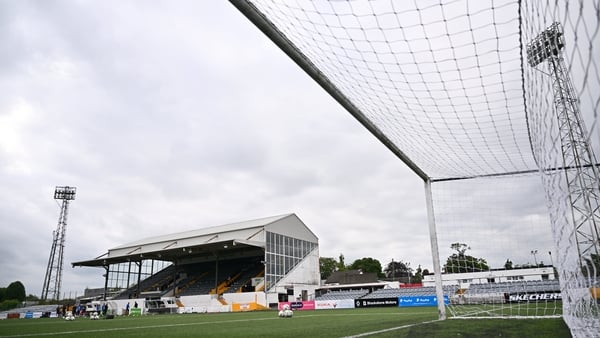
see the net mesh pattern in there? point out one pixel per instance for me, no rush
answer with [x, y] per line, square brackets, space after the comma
[568, 85]
[494, 248]
[442, 81]
[449, 84]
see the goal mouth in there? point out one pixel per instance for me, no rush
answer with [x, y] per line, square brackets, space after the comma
[454, 92]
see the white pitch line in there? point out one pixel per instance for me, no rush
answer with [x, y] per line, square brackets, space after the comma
[130, 328]
[212, 322]
[390, 329]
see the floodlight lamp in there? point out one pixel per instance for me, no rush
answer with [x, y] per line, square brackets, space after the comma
[64, 193]
[548, 43]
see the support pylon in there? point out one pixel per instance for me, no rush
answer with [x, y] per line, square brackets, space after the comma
[579, 162]
[53, 279]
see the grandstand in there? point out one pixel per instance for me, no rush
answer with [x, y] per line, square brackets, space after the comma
[517, 286]
[343, 294]
[33, 311]
[259, 262]
[411, 291]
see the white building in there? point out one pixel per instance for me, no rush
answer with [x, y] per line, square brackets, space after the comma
[463, 280]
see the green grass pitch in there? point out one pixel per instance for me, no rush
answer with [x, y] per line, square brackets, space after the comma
[373, 322]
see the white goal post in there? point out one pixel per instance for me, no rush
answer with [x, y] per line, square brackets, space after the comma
[488, 103]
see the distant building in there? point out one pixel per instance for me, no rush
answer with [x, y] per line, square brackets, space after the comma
[351, 277]
[465, 279]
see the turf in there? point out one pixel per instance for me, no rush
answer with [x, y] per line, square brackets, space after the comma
[380, 322]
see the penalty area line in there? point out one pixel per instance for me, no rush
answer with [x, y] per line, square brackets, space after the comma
[390, 329]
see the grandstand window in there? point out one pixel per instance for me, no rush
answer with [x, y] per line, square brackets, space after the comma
[295, 250]
[283, 253]
[269, 243]
[125, 275]
[280, 244]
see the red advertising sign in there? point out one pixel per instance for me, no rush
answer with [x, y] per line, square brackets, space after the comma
[304, 305]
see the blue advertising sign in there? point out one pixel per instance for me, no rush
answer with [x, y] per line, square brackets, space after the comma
[420, 301]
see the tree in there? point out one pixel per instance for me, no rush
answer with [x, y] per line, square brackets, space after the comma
[341, 263]
[9, 304]
[32, 298]
[398, 270]
[508, 265]
[461, 248]
[418, 277]
[367, 264]
[327, 265]
[16, 291]
[461, 262]
[2, 293]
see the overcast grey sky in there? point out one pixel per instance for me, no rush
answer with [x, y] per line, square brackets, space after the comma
[171, 116]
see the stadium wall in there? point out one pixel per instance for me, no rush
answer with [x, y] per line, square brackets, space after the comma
[228, 302]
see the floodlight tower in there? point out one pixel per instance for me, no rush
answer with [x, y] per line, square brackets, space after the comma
[52, 281]
[579, 163]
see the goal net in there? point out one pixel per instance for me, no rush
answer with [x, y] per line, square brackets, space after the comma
[495, 247]
[480, 99]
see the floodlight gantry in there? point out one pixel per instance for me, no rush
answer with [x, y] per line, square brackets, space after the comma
[53, 279]
[579, 161]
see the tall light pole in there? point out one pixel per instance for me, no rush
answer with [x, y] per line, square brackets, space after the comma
[534, 253]
[578, 240]
[554, 272]
[53, 279]
[579, 162]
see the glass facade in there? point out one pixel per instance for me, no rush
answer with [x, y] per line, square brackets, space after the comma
[283, 253]
[125, 275]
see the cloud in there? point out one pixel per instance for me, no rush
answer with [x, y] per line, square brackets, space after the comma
[175, 116]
